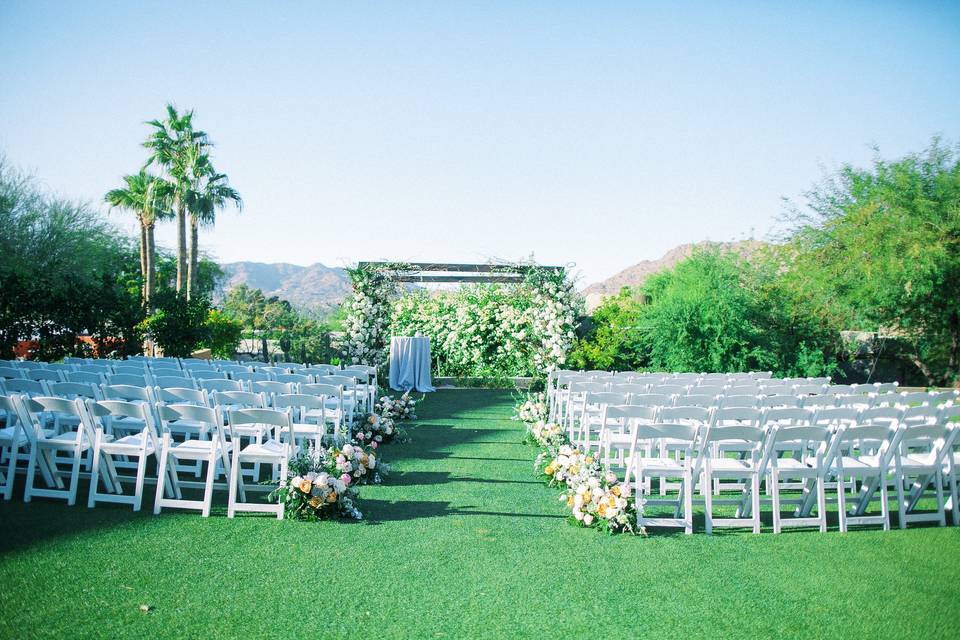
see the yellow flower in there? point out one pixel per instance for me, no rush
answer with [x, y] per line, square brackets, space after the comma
[612, 501]
[332, 497]
[315, 502]
[549, 470]
[570, 501]
[616, 490]
[602, 509]
[574, 469]
[305, 486]
[589, 460]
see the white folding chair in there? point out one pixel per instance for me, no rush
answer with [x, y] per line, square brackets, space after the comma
[863, 453]
[333, 410]
[14, 436]
[807, 444]
[271, 451]
[303, 408]
[591, 416]
[684, 436]
[44, 449]
[214, 452]
[926, 442]
[747, 439]
[615, 435]
[141, 446]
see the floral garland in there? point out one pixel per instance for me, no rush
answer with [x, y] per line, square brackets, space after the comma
[368, 314]
[556, 307]
[595, 496]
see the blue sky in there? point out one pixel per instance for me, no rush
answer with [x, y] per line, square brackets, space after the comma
[593, 133]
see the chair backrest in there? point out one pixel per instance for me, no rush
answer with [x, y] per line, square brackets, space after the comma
[127, 379]
[239, 399]
[130, 370]
[629, 387]
[271, 417]
[668, 389]
[632, 412]
[605, 397]
[886, 387]
[272, 387]
[579, 387]
[10, 373]
[183, 395]
[320, 389]
[299, 401]
[347, 382]
[127, 392]
[250, 376]
[697, 400]
[840, 389]
[235, 368]
[23, 386]
[57, 406]
[651, 400]
[167, 370]
[75, 390]
[220, 385]
[884, 416]
[788, 416]
[324, 369]
[739, 401]
[920, 415]
[362, 374]
[109, 409]
[85, 377]
[686, 415]
[737, 416]
[207, 374]
[706, 390]
[210, 416]
[47, 375]
[295, 378]
[942, 397]
[808, 389]
[779, 401]
[836, 417]
[178, 382]
[824, 400]
[273, 370]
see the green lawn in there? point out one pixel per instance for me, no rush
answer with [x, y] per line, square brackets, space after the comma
[462, 542]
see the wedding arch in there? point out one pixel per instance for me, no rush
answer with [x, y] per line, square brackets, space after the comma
[505, 320]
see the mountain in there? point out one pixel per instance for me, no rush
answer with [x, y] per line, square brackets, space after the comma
[636, 275]
[314, 288]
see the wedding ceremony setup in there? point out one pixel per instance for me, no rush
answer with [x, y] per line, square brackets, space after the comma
[500, 320]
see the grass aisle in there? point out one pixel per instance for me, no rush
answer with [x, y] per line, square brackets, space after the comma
[462, 542]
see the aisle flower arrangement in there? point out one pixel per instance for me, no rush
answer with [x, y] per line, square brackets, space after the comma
[314, 490]
[533, 409]
[368, 314]
[396, 409]
[595, 496]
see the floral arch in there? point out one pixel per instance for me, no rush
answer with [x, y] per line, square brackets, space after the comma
[505, 320]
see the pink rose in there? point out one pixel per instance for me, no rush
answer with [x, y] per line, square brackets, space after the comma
[345, 478]
[373, 444]
[360, 436]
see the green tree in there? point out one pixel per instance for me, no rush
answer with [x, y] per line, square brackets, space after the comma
[878, 249]
[148, 198]
[178, 149]
[178, 325]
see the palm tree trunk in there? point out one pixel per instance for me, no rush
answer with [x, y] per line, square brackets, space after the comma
[151, 279]
[143, 261]
[181, 246]
[194, 258]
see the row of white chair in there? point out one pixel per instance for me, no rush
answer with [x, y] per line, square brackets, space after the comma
[912, 448]
[235, 428]
[586, 403]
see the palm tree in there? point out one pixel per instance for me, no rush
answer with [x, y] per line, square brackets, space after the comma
[203, 203]
[175, 146]
[148, 197]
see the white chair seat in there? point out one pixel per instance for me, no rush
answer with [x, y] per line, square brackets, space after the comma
[7, 436]
[731, 464]
[195, 449]
[133, 442]
[268, 451]
[300, 427]
[661, 465]
[69, 440]
[918, 461]
[792, 464]
[863, 463]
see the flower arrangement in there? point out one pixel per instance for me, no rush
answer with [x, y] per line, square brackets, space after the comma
[356, 464]
[595, 496]
[602, 502]
[372, 430]
[396, 409]
[312, 492]
[368, 314]
[532, 410]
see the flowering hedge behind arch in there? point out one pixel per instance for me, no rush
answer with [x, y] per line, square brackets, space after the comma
[484, 330]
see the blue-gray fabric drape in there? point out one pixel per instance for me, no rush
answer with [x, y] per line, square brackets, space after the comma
[410, 364]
